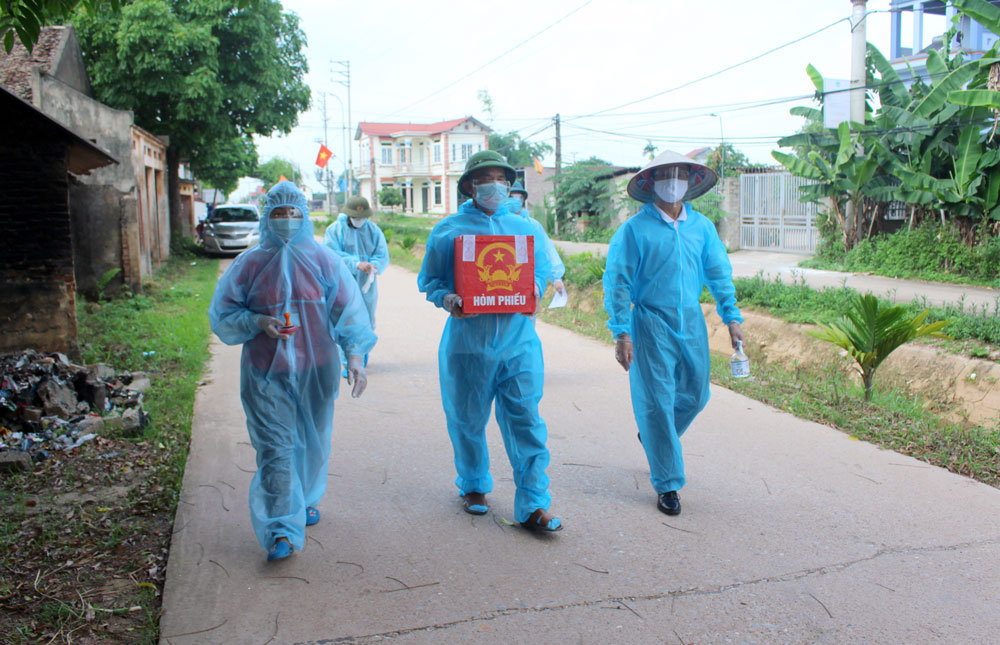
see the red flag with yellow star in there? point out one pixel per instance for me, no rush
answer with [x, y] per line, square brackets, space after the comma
[323, 156]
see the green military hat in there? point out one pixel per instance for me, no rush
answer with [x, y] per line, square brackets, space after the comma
[518, 188]
[357, 207]
[485, 159]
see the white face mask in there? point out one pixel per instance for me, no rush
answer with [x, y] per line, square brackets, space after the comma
[357, 221]
[670, 190]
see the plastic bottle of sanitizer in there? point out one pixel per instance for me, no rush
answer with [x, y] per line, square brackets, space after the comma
[739, 364]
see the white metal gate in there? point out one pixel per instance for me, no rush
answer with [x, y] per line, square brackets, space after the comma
[771, 216]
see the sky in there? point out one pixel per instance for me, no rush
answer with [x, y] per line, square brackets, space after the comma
[591, 61]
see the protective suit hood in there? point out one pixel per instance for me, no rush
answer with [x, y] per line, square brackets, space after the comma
[284, 193]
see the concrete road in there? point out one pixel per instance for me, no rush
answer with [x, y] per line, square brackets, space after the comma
[747, 264]
[791, 532]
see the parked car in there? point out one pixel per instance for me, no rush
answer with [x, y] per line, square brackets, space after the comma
[231, 228]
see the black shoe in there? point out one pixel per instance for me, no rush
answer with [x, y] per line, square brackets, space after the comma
[639, 436]
[669, 503]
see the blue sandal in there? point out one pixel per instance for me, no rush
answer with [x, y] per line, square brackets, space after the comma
[312, 515]
[281, 549]
[534, 523]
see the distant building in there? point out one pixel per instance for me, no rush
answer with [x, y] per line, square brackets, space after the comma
[423, 160]
[918, 27]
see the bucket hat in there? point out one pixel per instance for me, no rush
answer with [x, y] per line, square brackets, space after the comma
[357, 207]
[485, 159]
[702, 178]
[518, 188]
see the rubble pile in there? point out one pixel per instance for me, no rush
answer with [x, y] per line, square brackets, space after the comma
[48, 403]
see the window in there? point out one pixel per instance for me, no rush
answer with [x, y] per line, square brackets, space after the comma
[466, 151]
[386, 155]
[437, 194]
[402, 154]
[479, 148]
[454, 157]
[437, 153]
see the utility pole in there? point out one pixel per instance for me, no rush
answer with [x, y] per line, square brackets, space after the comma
[859, 44]
[558, 145]
[346, 82]
[558, 167]
[329, 191]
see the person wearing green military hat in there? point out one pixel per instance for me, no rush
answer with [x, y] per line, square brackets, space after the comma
[518, 206]
[658, 263]
[361, 244]
[487, 358]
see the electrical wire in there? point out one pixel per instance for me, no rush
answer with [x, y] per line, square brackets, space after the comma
[492, 60]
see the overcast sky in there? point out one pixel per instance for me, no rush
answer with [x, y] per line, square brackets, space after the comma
[575, 58]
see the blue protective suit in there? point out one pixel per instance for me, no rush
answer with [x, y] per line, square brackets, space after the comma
[558, 269]
[652, 282]
[363, 244]
[288, 386]
[487, 357]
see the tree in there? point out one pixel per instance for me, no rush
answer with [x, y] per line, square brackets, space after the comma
[735, 160]
[208, 74]
[518, 152]
[650, 150]
[585, 187]
[273, 169]
[25, 18]
[871, 330]
[390, 197]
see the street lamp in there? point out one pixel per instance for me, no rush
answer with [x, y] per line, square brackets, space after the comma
[346, 82]
[344, 128]
[722, 147]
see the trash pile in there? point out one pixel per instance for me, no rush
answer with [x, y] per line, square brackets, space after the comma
[48, 403]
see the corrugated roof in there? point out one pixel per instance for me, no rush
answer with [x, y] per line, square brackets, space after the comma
[15, 67]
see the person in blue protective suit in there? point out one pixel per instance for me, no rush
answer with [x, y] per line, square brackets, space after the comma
[518, 206]
[657, 262]
[290, 302]
[361, 243]
[487, 357]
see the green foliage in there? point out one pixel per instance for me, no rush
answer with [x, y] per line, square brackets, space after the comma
[103, 281]
[584, 269]
[390, 197]
[710, 205]
[209, 75]
[871, 331]
[736, 162]
[585, 188]
[25, 18]
[408, 242]
[518, 152]
[274, 168]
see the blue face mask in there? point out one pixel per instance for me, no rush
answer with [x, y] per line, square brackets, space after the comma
[286, 228]
[491, 195]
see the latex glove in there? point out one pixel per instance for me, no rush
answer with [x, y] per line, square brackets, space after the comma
[356, 375]
[736, 334]
[453, 303]
[367, 267]
[270, 325]
[538, 304]
[624, 352]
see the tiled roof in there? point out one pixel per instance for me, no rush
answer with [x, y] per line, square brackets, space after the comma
[388, 129]
[15, 67]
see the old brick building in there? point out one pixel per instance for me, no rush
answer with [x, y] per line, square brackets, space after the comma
[37, 281]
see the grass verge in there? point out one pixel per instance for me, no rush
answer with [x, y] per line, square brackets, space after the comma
[892, 419]
[84, 537]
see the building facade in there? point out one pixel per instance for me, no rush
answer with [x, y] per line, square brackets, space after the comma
[918, 27]
[423, 160]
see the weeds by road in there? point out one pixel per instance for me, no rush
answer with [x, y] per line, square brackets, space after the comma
[84, 537]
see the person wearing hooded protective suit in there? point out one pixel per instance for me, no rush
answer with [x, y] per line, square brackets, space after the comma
[518, 206]
[290, 302]
[361, 243]
[657, 262]
[487, 357]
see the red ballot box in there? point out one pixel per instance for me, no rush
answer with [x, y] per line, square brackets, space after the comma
[495, 274]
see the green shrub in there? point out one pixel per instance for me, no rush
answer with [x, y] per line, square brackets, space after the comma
[583, 269]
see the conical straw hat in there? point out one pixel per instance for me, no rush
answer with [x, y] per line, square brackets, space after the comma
[702, 178]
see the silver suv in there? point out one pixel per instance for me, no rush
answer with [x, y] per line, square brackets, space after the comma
[231, 228]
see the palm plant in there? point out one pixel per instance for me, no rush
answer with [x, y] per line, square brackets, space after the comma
[871, 330]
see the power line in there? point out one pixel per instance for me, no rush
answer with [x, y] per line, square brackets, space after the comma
[492, 60]
[721, 71]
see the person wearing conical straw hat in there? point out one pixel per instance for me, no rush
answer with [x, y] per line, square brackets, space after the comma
[658, 262]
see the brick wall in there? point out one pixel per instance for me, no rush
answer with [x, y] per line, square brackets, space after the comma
[37, 285]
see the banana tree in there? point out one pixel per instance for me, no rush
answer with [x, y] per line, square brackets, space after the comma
[871, 330]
